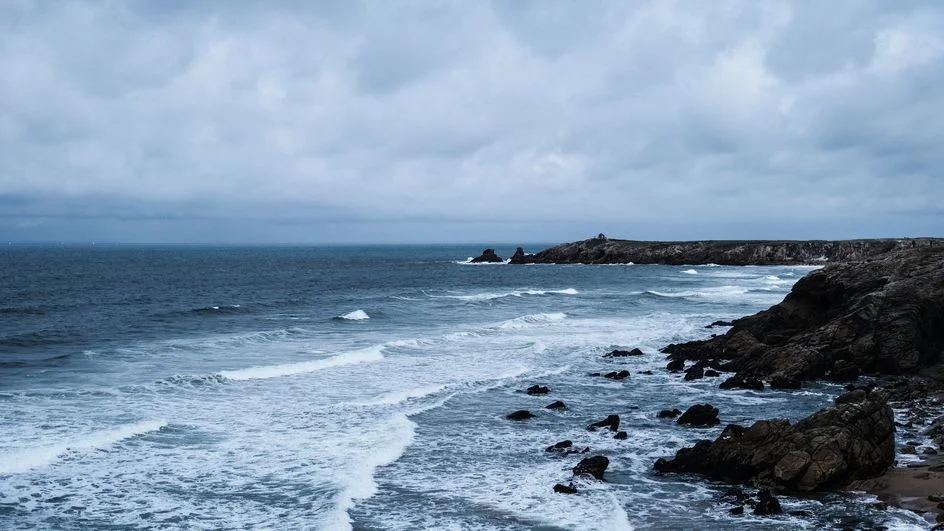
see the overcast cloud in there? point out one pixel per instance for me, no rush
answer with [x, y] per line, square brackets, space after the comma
[441, 121]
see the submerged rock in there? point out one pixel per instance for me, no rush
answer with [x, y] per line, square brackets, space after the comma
[488, 255]
[741, 382]
[623, 353]
[556, 405]
[669, 413]
[614, 375]
[538, 390]
[767, 504]
[592, 466]
[561, 446]
[852, 440]
[521, 414]
[621, 436]
[565, 489]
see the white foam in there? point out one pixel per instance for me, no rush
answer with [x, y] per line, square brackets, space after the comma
[366, 355]
[476, 297]
[526, 321]
[356, 315]
[26, 459]
[398, 397]
[690, 272]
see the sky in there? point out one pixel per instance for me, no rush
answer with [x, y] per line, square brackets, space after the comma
[454, 121]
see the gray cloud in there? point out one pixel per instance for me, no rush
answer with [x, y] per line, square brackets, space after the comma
[449, 121]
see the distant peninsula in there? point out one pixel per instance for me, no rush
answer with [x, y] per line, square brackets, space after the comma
[603, 250]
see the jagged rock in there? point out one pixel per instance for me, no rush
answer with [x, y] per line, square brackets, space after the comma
[669, 413]
[858, 395]
[521, 414]
[720, 323]
[621, 436]
[520, 257]
[565, 489]
[538, 390]
[711, 373]
[556, 405]
[488, 255]
[611, 421]
[675, 366]
[614, 375]
[766, 504]
[739, 510]
[623, 353]
[700, 415]
[694, 373]
[740, 382]
[561, 446]
[882, 316]
[592, 466]
[852, 440]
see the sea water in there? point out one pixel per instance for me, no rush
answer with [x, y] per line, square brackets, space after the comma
[364, 388]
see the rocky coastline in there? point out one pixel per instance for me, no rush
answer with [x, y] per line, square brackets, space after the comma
[603, 250]
[871, 318]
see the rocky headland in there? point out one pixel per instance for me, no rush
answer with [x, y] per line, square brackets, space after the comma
[603, 250]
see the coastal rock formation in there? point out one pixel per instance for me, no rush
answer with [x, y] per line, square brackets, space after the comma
[853, 440]
[488, 255]
[520, 257]
[611, 421]
[521, 414]
[700, 415]
[538, 390]
[592, 466]
[602, 250]
[623, 353]
[880, 316]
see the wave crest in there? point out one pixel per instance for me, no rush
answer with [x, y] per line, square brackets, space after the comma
[366, 355]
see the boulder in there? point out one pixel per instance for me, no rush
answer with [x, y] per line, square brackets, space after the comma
[669, 413]
[766, 504]
[557, 404]
[849, 441]
[675, 366]
[694, 373]
[614, 375]
[720, 323]
[561, 446]
[785, 382]
[521, 414]
[621, 436]
[520, 257]
[592, 466]
[711, 373]
[488, 255]
[700, 415]
[623, 353]
[565, 489]
[611, 421]
[647, 373]
[538, 390]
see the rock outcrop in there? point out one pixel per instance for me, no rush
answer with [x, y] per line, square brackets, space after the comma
[602, 250]
[853, 440]
[520, 257]
[592, 466]
[880, 316]
[488, 255]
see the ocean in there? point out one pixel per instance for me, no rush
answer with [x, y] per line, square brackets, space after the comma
[178, 387]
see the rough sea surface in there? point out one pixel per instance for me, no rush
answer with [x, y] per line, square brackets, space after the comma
[363, 387]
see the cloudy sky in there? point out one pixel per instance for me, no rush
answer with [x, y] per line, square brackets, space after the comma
[459, 121]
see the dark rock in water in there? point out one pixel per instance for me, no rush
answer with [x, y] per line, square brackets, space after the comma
[669, 413]
[735, 493]
[594, 374]
[556, 405]
[675, 365]
[621, 375]
[766, 504]
[623, 353]
[611, 421]
[592, 466]
[908, 450]
[560, 446]
[785, 382]
[488, 255]
[538, 390]
[621, 435]
[648, 373]
[929, 451]
[700, 415]
[883, 316]
[586, 450]
[521, 414]
[720, 323]
[520, 257]
[694, 373]
[801, 514]
[732, 430]
[565, 489]
[740, 382]
[739, 510]
[711, 373]
[828, 449]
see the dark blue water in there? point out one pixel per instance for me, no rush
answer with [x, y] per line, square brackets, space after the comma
[364, 387]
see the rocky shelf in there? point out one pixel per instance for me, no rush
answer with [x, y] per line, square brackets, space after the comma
[603, 250]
